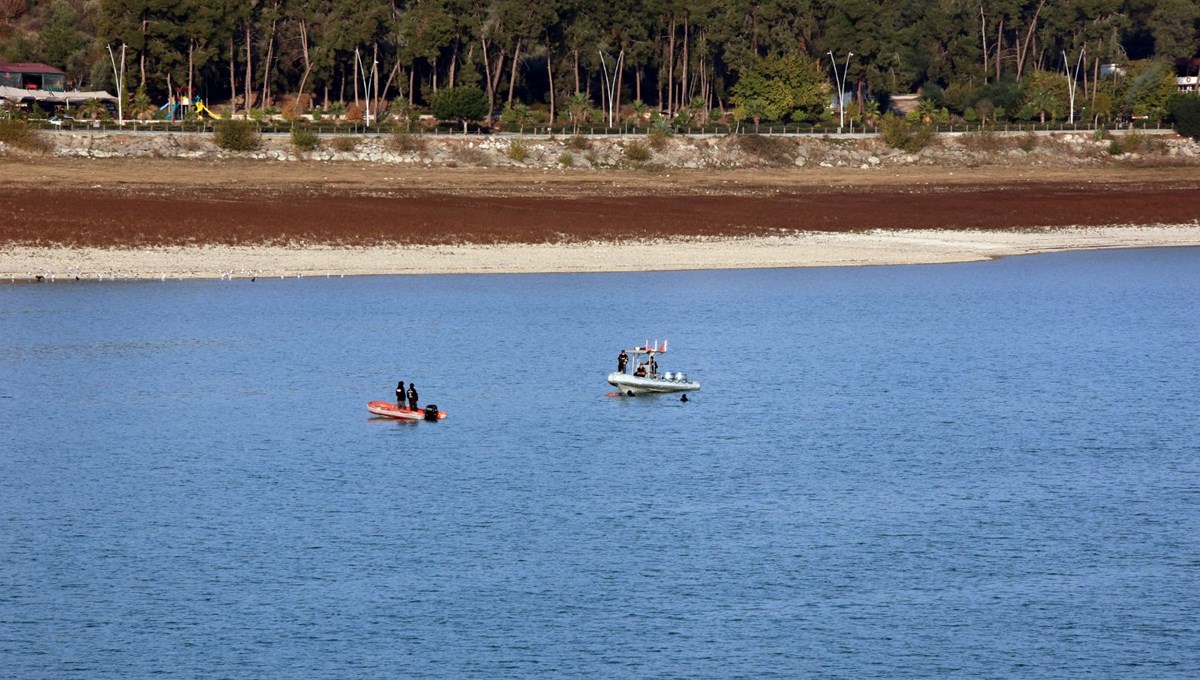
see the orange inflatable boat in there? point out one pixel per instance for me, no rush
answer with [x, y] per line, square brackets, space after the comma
[389, 410]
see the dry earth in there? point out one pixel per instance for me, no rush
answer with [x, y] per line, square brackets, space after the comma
[146, 217]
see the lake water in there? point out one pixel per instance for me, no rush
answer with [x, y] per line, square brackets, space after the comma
[986, 469]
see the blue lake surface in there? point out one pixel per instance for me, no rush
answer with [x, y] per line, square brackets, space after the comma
[987, 469]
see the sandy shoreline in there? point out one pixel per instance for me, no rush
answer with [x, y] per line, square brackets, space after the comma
[804, 249]
[167, 219]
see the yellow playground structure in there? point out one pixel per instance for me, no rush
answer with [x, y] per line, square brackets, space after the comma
[202, 110]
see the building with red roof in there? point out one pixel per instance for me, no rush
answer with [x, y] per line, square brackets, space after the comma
[33, 77]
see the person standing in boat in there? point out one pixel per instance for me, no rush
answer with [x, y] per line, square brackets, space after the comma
[653, 366]
[400, 394]
[622, 361]
[412, 396]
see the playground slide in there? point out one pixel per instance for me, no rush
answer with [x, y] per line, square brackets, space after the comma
[203, 110]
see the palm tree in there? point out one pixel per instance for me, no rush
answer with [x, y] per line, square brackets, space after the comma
[926, 109]
[639, 110]
[579, 105]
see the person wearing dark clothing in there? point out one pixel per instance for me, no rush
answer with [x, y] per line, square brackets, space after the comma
[622, 361]
[412, 396]
[400, 394]
[653, 366]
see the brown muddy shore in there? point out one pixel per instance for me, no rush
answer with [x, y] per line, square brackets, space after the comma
[127, 203]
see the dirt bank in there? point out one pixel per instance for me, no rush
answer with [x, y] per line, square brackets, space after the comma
[127, 203]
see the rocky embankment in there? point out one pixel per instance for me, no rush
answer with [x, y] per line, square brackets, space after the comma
[683, 152]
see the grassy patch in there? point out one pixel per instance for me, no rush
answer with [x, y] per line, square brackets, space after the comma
[17, 133]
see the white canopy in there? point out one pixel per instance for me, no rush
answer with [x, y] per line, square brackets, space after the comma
[16, 94]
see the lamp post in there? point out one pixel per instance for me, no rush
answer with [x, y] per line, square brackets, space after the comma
[841, 94]
[1071, 78]
[610, 84]
[119, 76]
[368, 79]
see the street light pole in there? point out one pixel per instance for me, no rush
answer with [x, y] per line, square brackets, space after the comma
[1071, 77]
[841, 94]
[119, 76]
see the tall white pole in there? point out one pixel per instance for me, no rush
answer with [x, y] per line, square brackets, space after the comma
[610, 84]
[1071, 85]
[362, 73]
[841, 88]
[119, 76]
[842, 95]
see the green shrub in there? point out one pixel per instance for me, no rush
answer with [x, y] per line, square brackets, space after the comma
[344, 143]
[579, 143]
[984, 141]
[905, 135]
[236, 135]
[517, 150]
[469, 155]
[305, 139]
[660, 130]
[1114, 147]
[1185, 111]
[1027, 142]
[636, 152]
[1137, 142]
[566, 159]
[16, 132]
[769, 150]
[404, 142]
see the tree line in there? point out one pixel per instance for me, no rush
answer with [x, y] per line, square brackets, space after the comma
[988, 58]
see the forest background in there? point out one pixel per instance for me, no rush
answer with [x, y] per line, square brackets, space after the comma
[686, 61]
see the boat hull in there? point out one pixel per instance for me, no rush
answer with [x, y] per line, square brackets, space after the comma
[389, 410]
[633, 385]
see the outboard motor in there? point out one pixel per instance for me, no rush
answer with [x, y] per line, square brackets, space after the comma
[431, 412]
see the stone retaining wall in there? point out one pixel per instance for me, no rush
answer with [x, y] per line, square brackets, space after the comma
[683, 152]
